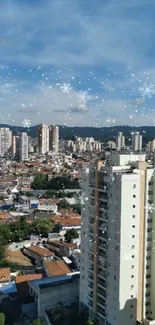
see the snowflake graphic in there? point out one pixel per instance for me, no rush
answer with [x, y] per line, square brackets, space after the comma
[26, 123]
[147, 90]
[66, 88]
[83, 97]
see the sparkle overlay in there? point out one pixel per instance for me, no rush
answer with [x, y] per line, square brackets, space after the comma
[26, 123]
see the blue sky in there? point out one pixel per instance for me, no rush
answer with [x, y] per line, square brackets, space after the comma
[77, 62]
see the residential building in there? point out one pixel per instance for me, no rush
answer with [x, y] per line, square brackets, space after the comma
[23, 286]
[150, 146]
[55, 268]
[39, 254]
[55, 291]
[54, 138]
[5, 276]
[43, 138]
[118, 241]
[22, 147]
[120, 141]
[14, 145]
[136, 141]
[61, 248]
[5, 141]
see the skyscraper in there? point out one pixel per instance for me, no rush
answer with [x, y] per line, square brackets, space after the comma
[120, 141]
[54, 138]
[136, 141]
[13, 144]
[43, 138]
[118, 241]
[22, 146]
[5, 141]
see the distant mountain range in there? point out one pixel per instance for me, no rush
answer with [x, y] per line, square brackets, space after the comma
[104, 133]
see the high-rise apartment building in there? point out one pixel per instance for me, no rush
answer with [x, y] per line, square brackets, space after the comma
[136, 141]
[54, 138]
[14, 145]
[150, 146]
[120, 141]
[43, 138]
[22, 147]
[118, 241]
[5, 141]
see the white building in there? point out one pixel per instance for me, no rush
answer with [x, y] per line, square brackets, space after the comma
[54, 138]
[150, 146]
[136, 141]
[118, 242]
[43, 138]
[5, 141]
[22, 147]
[120, 141]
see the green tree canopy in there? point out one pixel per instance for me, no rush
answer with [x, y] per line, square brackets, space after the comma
[39, 182]
[2, 319]
[37, 321]
[42, 226]
[71, 234]
[63, 204]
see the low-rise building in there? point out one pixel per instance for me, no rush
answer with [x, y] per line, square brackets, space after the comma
[23, 287]
[5, 276]
[39, 254]
[61, 248]
[55, 291]
[55, 268]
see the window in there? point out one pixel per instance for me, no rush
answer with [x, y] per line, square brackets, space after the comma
[131, 316]
[134, 206]
[133, 226]
[134, 195]
[132, 266]
[114, 277]
[132, 286]
[133, 246]
[134, 185]
[131, 296]
[133, 216]
[133, 236]
[132, 276]
[131, 306]
[133, 256]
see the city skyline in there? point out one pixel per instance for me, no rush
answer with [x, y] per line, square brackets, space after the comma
[78, 69]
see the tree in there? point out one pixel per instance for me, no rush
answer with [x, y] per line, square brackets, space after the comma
[57, 227]
[39, 182]
[2, 319]
[37, 321]
[63, 204]
[71, 234]
[42, 226]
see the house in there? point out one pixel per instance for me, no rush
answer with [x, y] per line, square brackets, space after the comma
[5, 276]
[39, 254]
[68, 222]
[61, 248]
[55, 268]
[23, 287]
[55, 291]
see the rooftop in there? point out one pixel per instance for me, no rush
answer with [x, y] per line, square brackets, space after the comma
[40, 251]
[5, 275]
[55, 280]
[56, 267]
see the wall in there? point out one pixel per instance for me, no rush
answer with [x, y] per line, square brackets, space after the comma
[51, 297]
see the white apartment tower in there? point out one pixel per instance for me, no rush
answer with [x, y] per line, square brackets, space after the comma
[5, 141]
[54, 138]
[120, 141]
[22, 147]
[117, 281]
[43, 138]
[136, 141]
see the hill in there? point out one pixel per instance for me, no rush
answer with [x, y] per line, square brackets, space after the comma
[103, 133]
